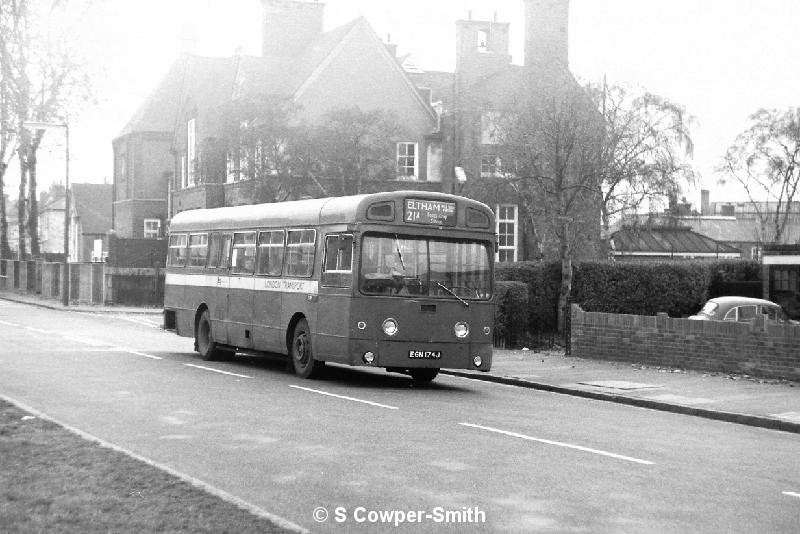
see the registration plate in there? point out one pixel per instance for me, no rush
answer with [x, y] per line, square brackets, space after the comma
[425, 354]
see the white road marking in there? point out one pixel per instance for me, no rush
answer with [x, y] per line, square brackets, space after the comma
[8, 324]
[379, 405]
[87, 341]
[38, 330]
[559, 444]
[215, 370]
[792, 494]
[137, 353]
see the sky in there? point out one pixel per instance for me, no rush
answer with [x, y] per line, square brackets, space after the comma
[721, 59]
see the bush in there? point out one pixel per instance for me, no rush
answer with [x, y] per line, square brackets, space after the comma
[642, 288]
[511, 312]
[543, 280]
[645, 288]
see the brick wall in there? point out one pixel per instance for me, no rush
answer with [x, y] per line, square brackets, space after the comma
[758, 348]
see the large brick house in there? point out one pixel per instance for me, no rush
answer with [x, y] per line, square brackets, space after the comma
[170, 156]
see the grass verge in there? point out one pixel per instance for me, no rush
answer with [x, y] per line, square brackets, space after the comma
[54, 481]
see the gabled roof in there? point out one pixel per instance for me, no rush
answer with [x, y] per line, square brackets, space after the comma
[208, 80]
[92, 203]
[157, 112]
[291, 76]
[667, 241]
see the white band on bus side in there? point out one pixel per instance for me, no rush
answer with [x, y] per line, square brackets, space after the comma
[283, 285]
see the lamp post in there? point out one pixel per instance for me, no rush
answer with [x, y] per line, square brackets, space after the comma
[35, 125]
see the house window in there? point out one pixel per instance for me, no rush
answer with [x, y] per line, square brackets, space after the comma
[184, 183]
[191, 154]
[507, 232]
[152, 228]
[755, 253]
[407, 161]
[490, 166]
[784, 279]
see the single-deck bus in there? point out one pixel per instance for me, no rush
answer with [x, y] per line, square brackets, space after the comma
[399, 280]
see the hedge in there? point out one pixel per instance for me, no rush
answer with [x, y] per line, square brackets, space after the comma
[511, 313]
[641, 288]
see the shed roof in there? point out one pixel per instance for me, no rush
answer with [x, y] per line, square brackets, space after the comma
[667, 241]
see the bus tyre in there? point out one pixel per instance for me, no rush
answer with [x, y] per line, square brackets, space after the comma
[209, 350]
[305, 366]
[422, 376]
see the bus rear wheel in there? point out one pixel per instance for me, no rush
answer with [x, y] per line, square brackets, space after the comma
[209, 349]
[422, 376]
[302, 354]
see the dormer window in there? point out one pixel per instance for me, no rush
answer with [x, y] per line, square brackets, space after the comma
[483, 40]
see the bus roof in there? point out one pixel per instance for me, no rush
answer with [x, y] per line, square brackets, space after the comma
[330, 210]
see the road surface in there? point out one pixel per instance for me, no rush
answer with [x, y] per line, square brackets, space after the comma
[368, 451]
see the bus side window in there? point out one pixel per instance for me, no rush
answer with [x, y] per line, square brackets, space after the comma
[214, 243]
[300, 245]
[243, 258]
[198, 250]
[270, 253]
[338, 261]
[225, 251]
[177, 250]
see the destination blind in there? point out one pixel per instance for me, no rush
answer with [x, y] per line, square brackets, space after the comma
[432, 212]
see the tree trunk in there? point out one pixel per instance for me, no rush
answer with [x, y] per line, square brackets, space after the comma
[565, 291]
[33, 211]
[21, 205]
[5, 249]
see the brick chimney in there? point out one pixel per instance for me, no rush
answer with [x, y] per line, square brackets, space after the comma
[289, 26]
[481, 48]
[705, 202]
[546, 32]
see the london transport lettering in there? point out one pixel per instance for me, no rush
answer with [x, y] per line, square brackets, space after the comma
[430, 212]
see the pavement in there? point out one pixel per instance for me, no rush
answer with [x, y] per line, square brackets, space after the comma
[736, 398]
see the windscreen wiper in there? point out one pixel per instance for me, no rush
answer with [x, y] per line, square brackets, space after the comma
[399, 254]
[464, 302]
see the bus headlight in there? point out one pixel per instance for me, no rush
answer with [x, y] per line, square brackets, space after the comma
[461, 330]
[390, 327]
[368, 358]
[477, 360]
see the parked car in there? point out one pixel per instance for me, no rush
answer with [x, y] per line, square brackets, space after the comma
[741, 309]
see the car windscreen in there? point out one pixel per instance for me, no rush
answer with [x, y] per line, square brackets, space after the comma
[399, 265]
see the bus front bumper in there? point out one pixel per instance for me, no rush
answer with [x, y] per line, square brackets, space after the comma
[406, 355]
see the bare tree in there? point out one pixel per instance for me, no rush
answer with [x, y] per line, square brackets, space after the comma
[7, 149]
[44, 76]
[765, 160]
[357, 146]
[267, 141]
[552, 137]
[645, 150]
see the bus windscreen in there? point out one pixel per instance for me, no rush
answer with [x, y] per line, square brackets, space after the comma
[419, 266]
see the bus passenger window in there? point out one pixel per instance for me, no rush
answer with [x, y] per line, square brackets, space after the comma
[177, 250]
[243, 259]
[198, 250]
[300, 252]
[339, 253]
[213, 250]
[270, 253]
[225, 252]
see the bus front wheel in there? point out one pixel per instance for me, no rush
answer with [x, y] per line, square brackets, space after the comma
[423, 375]
[204, 341]
[305, 366]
